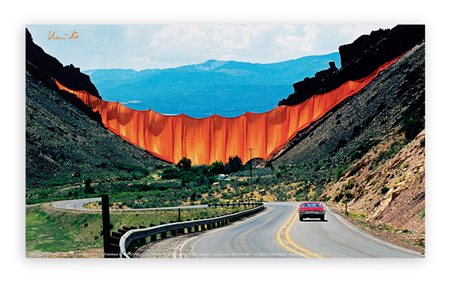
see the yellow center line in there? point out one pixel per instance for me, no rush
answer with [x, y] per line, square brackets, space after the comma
[286, 242]
[286, 246]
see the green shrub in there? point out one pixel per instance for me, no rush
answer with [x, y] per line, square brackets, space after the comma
[184, 163]
[338, 172]
[348, 196]
[170, 172]
[217, 168]
[422, 142]
[349, 185]
[234, 164]
[384, 190]
[338, 197]
[361, 150]
[413, 125]
[422, 214]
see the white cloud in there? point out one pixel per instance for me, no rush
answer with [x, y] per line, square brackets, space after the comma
[161, 46]
[353, 31]
[260, 43]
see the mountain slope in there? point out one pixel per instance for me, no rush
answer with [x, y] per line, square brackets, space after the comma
[65, 145]
[387, 192]
[395, 97]
[226, 88]
[65, 140]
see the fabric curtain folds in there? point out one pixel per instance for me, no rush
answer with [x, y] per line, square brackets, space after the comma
[216, 138]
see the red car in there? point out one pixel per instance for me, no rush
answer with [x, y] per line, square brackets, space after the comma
[311, 210]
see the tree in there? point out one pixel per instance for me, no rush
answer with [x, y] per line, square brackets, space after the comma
[234, 164]
[217, 168]
[184, 163]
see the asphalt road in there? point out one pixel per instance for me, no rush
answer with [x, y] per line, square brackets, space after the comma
[277, 232]
[78, 205]
[75, 204]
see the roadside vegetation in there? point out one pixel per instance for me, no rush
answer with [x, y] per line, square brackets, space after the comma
[398, 236]
[185, 184]
[51, 230]
[169, 186]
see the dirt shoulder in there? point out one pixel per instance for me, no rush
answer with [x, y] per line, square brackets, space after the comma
[381, 231]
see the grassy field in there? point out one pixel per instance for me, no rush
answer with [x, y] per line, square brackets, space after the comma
[50, 230]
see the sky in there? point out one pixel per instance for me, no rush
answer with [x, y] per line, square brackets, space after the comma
[165, 46]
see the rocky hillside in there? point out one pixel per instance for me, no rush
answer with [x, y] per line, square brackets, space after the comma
[65, 142]
[393, 103]
[386, 187]
[369, 151]
[359, 59]
[65, 145]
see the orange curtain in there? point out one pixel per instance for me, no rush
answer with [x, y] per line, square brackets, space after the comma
[215, 138]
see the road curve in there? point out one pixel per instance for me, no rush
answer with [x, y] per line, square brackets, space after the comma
[338, 238]
[277, 232]
[78, 205]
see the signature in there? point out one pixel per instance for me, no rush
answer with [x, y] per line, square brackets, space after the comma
[54, 36]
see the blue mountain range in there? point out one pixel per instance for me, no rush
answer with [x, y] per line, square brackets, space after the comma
[227, 88]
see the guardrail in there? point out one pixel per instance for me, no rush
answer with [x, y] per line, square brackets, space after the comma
[134, 238]
[239, 204]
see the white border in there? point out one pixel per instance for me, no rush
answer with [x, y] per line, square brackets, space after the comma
[16, 14]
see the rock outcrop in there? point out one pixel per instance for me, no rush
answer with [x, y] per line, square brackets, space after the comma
[359, 59]
[47, 67]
